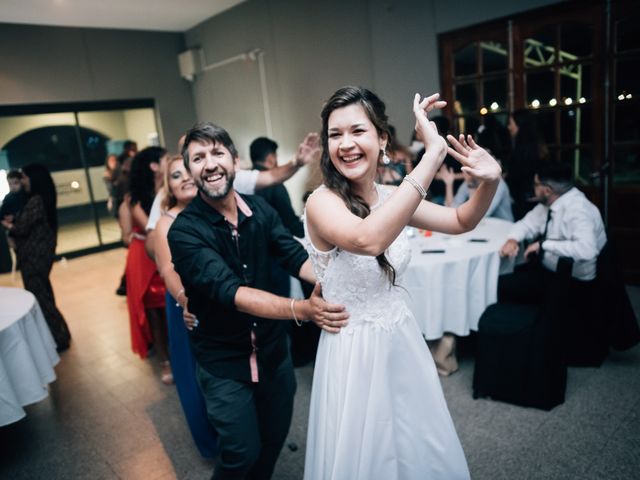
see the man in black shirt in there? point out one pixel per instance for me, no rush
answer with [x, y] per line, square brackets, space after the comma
[221, 246]
[264, 156]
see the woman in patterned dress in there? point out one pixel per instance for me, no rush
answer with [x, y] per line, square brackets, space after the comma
[34, 232]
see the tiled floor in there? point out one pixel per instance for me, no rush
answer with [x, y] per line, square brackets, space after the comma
[109, 416]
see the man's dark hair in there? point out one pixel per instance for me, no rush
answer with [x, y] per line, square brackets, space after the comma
[14, 174]
[207, 132]
[260, 148]
[129, 144]
[128, 147]
[557, 175]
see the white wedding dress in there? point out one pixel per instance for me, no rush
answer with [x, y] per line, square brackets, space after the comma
[377, 408]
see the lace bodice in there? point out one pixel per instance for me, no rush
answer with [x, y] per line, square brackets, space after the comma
[359, 283]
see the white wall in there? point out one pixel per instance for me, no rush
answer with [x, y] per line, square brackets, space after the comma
[52, 64]
[312, 48]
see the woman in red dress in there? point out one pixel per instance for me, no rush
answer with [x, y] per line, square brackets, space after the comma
[145, 288]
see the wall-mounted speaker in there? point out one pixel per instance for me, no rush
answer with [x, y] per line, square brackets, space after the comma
[189, 63]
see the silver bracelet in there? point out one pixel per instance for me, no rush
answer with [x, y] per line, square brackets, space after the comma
[293, 312]
[178, 298]
[413, 182]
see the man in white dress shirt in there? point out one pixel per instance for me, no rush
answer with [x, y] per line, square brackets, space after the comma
[564, 224]
[500, 205]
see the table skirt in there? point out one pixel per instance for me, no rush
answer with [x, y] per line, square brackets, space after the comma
[27, 357]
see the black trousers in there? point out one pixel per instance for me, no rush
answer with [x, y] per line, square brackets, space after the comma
[35, 276]
[584, 328]
[252, 421]
[527, 284]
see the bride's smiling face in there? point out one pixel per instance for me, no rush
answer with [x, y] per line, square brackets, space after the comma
[354, 143]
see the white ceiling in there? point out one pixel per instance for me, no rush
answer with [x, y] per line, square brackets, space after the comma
[165, 15]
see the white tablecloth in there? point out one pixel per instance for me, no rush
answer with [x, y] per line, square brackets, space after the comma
[449, 291]
[27, 354]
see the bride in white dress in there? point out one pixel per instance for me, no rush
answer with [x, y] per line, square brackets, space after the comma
[377, 408]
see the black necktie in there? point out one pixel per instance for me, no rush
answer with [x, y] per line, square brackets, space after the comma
[543, 237]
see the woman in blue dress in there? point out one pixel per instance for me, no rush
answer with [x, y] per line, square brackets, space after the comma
[179, 190]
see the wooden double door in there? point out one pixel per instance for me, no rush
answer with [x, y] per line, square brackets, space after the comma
[574, 66]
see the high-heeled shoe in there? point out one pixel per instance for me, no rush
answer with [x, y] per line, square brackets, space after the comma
[166, 376]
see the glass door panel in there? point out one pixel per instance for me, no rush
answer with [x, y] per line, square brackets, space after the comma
[104, 134]
[495, 56]
[576, 41]
[465, 60]
[494, 94]
[466, 98]
[540, 88]
[51, 139]
[575, 126]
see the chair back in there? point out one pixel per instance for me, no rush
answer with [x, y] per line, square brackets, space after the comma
[520, 352]
[614, 305]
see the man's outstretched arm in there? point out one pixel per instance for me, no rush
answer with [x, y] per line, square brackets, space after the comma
[308, 151]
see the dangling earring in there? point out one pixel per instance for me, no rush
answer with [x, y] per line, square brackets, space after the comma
[385, 158]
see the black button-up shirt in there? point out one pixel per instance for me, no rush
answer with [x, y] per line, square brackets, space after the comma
[213, 262]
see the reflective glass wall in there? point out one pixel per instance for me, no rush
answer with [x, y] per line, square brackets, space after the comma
[74, 145]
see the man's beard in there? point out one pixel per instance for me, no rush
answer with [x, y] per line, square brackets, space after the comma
[543, 200]
[219, 192]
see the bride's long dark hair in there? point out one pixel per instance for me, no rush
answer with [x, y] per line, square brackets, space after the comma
[333, 180]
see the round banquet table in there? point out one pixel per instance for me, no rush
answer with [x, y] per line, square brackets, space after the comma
[448, 291]
[27, 354]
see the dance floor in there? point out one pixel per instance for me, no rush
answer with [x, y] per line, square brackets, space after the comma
[108, 415]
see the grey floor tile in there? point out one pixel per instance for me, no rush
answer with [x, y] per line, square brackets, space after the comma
[149, 463]
[617, 460]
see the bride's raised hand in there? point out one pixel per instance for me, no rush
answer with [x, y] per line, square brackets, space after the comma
[434, 144]
[475, 160]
